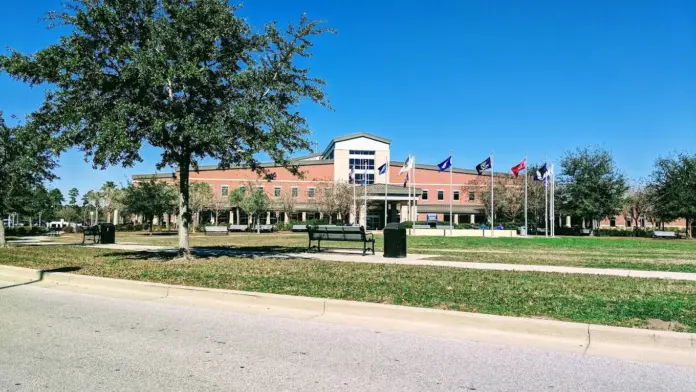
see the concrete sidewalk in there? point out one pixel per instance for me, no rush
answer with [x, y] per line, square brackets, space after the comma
[412, 259]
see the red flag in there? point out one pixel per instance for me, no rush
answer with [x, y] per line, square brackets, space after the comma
[519, 167]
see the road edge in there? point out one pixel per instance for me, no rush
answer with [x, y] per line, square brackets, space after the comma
[634, 344]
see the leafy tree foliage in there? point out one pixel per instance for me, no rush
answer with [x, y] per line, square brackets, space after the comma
[674, 184]
[189, 77]
[255, 203]
[334, 198]
[73, 194]
[201, 197]
[593, 186]
[150, 198]
[26, 161]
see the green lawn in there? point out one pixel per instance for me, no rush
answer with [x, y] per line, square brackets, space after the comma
[594, 299]
[627, 253]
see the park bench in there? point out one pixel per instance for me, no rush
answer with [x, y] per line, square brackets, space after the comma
[299, 228]
[215, 230]
[585, 231]
[421, 226]
[341, 233]
[238, 228]
[92, 231]
[665, 234]
[267, 228]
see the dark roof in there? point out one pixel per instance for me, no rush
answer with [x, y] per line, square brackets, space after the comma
[444, 208]
[392, 190]
[454, 169]
[360, 134]
[156, 175]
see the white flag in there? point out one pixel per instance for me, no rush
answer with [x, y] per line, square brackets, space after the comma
[407, 165]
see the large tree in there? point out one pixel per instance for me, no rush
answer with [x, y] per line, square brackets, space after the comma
[594, 188]
[674, 184]
[189, 77]
[638, 204]
[150, 198]
[26, 161]
[201, 197]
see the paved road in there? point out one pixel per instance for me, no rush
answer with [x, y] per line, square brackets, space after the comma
[56, 340]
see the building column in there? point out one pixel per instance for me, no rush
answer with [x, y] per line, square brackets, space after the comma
[116, 216]
[363, 216]
[237, 214]
[231, 217]
[456, 219]
[286, 218]
[268, 217]
[321, 215]
[414, 210]
[568, 221]
[472, 219]
[304, 216]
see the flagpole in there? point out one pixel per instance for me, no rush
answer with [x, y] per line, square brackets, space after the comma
[553, 200]
[492, 208]
[408, 184]
[546, 204]
[386, 183]
[451, 195]
[355, 201]
[526, 179]
[365, 194]
[414, 214]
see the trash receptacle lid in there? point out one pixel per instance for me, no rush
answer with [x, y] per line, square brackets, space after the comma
[394, 226]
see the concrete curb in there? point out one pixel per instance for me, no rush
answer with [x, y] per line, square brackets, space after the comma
[587, 339]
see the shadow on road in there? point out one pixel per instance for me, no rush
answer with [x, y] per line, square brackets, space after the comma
[41, 275]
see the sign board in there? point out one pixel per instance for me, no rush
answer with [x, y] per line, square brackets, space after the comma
[431, 217]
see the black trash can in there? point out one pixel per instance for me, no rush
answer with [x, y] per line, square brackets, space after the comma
[395, 240]
[107, 233]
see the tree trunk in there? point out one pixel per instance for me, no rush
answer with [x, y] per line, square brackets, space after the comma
[3, 241]
[688, 228]
[258, 223]
[184, 213]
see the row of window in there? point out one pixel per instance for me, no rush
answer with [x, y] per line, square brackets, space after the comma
[295, 191]
[441, 195]
[361, 152]
[361, 164]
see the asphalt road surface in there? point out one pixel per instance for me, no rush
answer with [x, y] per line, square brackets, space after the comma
[54, 340]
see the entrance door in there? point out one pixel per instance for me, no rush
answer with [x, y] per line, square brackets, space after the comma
[372, 222]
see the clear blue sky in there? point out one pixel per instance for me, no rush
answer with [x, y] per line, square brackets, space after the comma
[511, 77]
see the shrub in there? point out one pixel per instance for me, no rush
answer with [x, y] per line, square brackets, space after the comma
[68, 229]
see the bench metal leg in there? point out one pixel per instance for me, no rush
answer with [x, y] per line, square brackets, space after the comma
[364, 248]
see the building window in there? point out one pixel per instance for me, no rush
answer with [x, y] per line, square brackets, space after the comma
[243, 188]
[225, 190]
[295, 191]
[424, 196]
[276, 191]
[612, 222]
[472, 196]
[361, 152]
[359, 178]
[441, 195]
[361, 164]
[455, 195]
[259, 189]
[310, 193]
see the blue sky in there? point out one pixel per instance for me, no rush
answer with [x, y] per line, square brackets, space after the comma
[512, 77]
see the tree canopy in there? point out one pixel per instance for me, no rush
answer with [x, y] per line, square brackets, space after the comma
[593, 186]
[189, 77]
[26, 161]
[674, 184]
[151, 198]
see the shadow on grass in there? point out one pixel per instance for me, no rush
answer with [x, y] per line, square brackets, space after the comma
[41, 276]
[211, 252]
[158, 233]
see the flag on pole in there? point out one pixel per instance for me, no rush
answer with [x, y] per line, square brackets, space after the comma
[407, 166]
[519, 167]
[446, 164]
[406, 182]
[542, 175]
[383, 169]
[483, 166]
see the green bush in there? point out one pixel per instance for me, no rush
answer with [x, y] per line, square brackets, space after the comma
[68, 229]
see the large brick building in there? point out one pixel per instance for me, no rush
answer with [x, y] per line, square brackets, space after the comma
[363, 153]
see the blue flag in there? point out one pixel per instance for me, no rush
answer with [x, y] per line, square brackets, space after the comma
[542, 175]
[483, 166]
[446, 164]
[383, 169]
